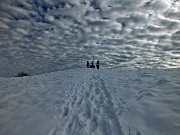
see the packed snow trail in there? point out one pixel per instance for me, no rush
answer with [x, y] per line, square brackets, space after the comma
[89, 108]
[91, 102]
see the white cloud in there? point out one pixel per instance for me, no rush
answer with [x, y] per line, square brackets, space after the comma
[49, 18]
[88, 27]
[3, 25]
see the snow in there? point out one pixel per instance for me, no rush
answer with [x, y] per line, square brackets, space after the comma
[92, 102]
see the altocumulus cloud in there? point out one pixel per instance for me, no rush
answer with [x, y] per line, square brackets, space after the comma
[40, 36]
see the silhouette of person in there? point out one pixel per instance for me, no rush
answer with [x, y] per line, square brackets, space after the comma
[92, 65]
[87, 64]
[97, 64]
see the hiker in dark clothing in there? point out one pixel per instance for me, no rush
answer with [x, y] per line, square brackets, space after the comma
[87, 64]
[92, 65]
[97, 64]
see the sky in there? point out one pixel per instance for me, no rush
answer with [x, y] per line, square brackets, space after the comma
[39, 36]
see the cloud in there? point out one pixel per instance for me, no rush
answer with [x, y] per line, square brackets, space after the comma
[49, 33]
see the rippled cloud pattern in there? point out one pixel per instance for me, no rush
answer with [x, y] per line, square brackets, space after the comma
[39, 36]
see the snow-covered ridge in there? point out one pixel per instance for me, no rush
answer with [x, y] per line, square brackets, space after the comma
[92, 102]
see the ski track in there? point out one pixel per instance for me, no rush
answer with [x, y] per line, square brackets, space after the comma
[88, 109]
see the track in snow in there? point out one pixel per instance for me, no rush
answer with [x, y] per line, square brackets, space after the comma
[88, 108]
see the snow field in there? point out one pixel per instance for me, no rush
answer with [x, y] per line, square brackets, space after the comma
[92, 102]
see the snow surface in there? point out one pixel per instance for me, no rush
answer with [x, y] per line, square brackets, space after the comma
[92, 102]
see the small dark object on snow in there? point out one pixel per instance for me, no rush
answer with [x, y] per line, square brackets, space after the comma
[21, 74]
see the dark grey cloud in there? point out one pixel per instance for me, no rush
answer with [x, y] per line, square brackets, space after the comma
[40, 36]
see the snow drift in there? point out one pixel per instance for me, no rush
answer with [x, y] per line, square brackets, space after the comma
[92, 102]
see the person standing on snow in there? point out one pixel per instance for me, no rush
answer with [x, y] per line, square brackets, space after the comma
[87, 64]
[97, 64]
[92, 65]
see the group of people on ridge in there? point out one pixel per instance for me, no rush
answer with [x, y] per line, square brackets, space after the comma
[92, 65]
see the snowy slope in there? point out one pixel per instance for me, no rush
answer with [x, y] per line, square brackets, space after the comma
[92, 102]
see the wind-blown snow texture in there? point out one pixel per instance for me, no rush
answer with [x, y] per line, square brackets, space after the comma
[51, 35]
[92, 102]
